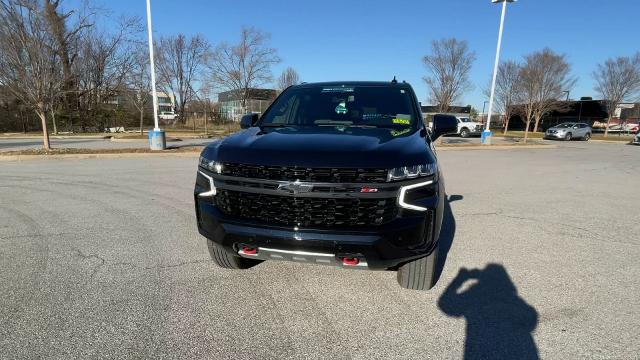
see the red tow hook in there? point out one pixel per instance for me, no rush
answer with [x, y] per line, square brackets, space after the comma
[350, 261]
[249, 250]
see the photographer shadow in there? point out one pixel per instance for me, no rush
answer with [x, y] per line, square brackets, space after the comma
[499, 322]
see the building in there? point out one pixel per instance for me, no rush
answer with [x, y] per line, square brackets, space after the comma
[459, 111]
[586, 110]
[462, 111]
[231, 102]
[166, 102]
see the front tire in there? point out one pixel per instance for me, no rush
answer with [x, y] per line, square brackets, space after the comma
[464, 133]
[419, 274]
[223, 259]
[568, 137]
[587, 137]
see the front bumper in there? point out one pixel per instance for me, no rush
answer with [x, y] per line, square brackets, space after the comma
[410, 235]
[554, 136]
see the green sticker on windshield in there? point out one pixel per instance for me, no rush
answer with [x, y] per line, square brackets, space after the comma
[401, 121]
[341, 108]
[399, 132]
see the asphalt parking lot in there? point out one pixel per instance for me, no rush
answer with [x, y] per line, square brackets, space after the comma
[101, 258]
[13, 144]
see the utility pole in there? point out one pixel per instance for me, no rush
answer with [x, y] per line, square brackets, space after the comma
[157, 139]
[486, 134]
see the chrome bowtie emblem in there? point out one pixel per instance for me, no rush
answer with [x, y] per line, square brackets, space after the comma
[295, 187]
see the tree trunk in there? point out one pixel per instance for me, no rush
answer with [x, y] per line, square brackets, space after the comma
[205, 122]
[53, 120]
[506, 124]
[526, 131]
[45, 132]
[606, 129]
[535, 125]
[141, 119]
[24, 123]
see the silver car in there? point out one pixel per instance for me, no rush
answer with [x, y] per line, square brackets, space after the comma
[636, 140]
[569, 131]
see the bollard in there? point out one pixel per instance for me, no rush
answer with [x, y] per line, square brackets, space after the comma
[486, 137]
[157, 140]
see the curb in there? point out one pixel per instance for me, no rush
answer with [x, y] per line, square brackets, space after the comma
[612, 141]
[125, 140]
[94, 156]
[493, 147]
[54, 137]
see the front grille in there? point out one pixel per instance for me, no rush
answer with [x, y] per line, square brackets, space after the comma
[288, 173]
[306, 212]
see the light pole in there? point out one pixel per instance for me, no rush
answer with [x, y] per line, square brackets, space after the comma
[486, 134]
[157, 140]
[568, 92]
[484, 103]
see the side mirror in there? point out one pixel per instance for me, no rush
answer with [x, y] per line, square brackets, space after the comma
[248, 121]
[443, 124]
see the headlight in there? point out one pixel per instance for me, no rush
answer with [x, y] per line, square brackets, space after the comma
[210, 165]
[411, 172]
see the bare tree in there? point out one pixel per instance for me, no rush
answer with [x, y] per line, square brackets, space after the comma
[180, 61]
[139, 83]
[105, 60]
[203, 95]
[508, 89]
[544, 77]
[449, 65]
[617, 80]
[29, 61]
[67, 29]
[288, 78]
[245, 65]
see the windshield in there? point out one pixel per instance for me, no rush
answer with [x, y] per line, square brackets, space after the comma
[565, 125]
[364, 106]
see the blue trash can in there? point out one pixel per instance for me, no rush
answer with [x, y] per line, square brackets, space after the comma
[157, 140]
[486, 137]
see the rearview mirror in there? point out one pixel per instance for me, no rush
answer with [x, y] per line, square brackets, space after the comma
[248, 121]
[443, 124]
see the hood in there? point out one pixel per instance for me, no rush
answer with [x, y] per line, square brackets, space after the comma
[323, 147]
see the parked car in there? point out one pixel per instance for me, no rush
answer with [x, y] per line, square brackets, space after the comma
[636, 140]
[341, 174]
[167, 115]
[569, 131]
[467, 127]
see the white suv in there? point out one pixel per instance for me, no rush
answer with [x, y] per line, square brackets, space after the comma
[466, 127]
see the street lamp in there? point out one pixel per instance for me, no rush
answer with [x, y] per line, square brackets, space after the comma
[484, 103]
[157, 139]
[486, 134]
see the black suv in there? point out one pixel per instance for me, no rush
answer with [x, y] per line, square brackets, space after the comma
[342, 174]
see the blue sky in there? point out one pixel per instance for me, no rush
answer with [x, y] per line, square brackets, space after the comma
[377, 39]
